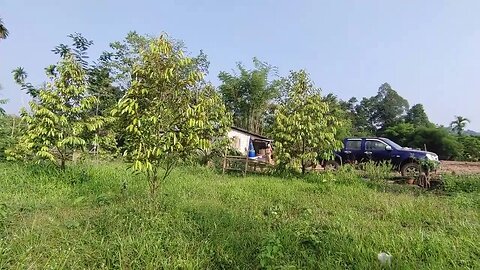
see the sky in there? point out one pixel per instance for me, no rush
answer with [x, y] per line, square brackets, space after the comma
[428, 50]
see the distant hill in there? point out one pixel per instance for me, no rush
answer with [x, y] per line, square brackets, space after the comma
[472, 133]
[466, 132]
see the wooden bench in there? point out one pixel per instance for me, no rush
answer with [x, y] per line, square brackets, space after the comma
[243, 164]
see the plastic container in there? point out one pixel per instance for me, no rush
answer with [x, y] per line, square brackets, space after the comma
[251, 150]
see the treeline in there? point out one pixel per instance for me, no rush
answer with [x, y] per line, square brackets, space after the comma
[147, 99]
[253, 94]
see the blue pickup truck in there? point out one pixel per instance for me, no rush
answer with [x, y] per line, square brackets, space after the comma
[358, 150]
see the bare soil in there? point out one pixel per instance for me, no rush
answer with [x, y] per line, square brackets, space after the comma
[460, 167]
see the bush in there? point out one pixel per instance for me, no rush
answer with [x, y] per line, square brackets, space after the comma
[471, 148]
[461, 183]
[438, 140]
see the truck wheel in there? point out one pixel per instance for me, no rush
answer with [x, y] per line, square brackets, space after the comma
[331, 165]
[410, 169]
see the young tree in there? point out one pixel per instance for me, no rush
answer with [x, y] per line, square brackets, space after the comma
[59, 116]
[304, 127]
[3, 30]
[458, 125]
[249, 94]
[165, 117]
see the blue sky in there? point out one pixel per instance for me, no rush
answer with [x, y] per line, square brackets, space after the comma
[427, 50]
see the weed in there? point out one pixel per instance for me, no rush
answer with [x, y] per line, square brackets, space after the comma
[378, 171]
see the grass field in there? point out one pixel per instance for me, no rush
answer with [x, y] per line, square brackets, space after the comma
[100, 216]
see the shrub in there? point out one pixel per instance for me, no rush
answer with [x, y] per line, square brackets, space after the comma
[461, 183]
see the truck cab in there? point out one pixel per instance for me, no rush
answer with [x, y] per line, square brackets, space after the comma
[378, 149]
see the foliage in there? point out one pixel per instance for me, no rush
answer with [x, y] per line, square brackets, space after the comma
[471, 147]
[417, 116]
[401, 133]
[304, 126]
[378, 112]
[249, 94]
[20, 76]
[11, 127]
[212, 221]
[3, 30]
[437, 140]
[461, 183]
[122, 58]
[166, 112]
[459, 124]
[389, 106]
[337, 110]
[2, 102]
[59, 120]
[377, 171]
[98, 83]
[427, 165]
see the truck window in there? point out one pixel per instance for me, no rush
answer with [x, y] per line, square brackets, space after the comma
[374, 145]
[353, 145]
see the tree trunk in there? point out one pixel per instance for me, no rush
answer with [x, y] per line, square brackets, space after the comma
[62, 164]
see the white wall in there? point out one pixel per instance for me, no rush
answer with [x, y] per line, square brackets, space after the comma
[242, 139]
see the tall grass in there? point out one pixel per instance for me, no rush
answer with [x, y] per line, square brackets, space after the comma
[100, 216]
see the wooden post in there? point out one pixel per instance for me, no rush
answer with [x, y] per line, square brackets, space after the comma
[224, 161]
[246, 167]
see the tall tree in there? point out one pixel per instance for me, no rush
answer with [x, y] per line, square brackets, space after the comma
[390, 107]
[379, 112]
[166, 113]
[3, 30]
[249, 94]
[304, 126]
[458, 125]
[363, 119]
[417, 116]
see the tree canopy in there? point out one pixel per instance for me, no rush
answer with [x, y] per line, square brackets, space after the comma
[59, 120]
[249, 94]
[304, 128]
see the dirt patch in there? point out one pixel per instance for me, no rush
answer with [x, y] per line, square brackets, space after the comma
[460, 167]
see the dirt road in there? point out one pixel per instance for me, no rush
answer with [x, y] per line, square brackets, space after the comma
[460, 167]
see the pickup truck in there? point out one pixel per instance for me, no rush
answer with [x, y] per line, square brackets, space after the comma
[358, 150]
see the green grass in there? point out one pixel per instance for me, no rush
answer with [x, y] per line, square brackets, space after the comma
[100, 216]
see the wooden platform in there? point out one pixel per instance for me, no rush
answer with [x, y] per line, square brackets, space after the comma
[244, 164]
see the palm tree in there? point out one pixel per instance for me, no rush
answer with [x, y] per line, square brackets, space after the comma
[458, 125]
[3, 30]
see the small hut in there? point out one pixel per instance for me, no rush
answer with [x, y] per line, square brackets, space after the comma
[241, 140]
